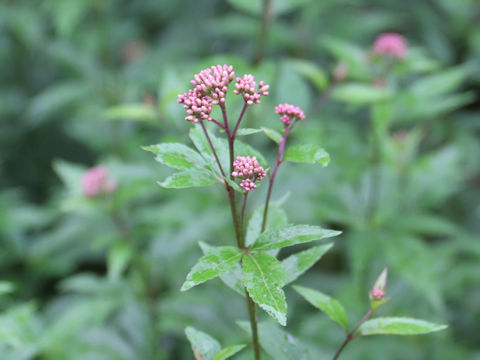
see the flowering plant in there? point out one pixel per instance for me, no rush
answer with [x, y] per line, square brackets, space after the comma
[252, 268]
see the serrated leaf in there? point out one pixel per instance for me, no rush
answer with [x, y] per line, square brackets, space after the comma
[262, 275]
[202, 343]
[291, 235]
[359, 93]
[272, 134]
[296, 264]
[187, 179]
[278, 343]
[330, 306]
[398, 326]
[139, 112]
[307, 153]
[215, 262]
[277, 218]
[177, 156]
[233, 277]
[228, 352]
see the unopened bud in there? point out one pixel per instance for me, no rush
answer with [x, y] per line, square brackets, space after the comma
[377, 293]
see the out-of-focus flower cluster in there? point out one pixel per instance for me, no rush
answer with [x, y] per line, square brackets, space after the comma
[288, 112]
[392, 44]
[247, 87]
[249, 170]
[210, 88]
[96, 181]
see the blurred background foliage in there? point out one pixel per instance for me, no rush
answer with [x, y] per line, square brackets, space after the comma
[89, 82]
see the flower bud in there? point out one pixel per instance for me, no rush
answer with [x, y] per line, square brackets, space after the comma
[377, 292]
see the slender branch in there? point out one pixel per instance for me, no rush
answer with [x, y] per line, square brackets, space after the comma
[281, 150]
[262, 38]
[244, 205]
[218, 123]
[213, 148]
[234, 134]
[351, 335]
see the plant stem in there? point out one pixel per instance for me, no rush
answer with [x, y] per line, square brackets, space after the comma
[262, 38]
[244, 205]
[351, 335]
[234, 134]
[213, 149]
[281, 150]
[252, 310]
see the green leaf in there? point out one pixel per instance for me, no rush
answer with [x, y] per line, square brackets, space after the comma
[307, 153]
[220, 145]
[311, 71]
[118, 259]
[215, 262]
[398, 326]
[140, 112]
[359, 93]
[244, 149]
[272, 134]
[187, 179]
[262, 276]
[228, 352]
[202, 343]
[277, 218]
[291, 235]
[296, 264]
[233, 277]
[278, 343]
[248, 131]
[177, 156]
[330, 306]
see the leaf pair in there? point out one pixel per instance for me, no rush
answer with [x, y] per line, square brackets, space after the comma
[378, 326]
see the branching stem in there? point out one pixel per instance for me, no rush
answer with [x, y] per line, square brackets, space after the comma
[351, 335]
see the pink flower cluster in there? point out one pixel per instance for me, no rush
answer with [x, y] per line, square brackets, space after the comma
[378, 294]
[210, 88]
[247, 87]
[390, 44]
[96, 181]
[249, 170]
[288, 112]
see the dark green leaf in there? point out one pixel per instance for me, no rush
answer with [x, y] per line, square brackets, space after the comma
[277, 218]
[187, 179]
[330, 306]
[177, 156]
[262, 276]
[291, 235]
[215, 262]
[307, 153]
[398, 326]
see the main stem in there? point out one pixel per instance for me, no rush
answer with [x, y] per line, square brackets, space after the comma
[351, 335]
[281, 150]
[238, 226]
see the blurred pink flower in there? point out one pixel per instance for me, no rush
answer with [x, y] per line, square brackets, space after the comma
[390, 44]
[96, 181]
[378, 294]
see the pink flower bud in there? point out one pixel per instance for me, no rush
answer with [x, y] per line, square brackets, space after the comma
[289, 112]
[249, 170]
[377, 294]
[96, 181]
[392, 44]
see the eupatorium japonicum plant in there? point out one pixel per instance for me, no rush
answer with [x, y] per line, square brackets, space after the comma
[249, 265]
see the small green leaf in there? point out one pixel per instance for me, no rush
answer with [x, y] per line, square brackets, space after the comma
[398, 326]
[277, 218]
[330, 306]
[296, 264]
[215, 262]
[278, 343]
[202, 343]
[140, 112]
[233, 277]
[118, 259]
[187, 179]
[177, 156]
[291, 235]
[360, 94]
[248, 131]
[272, 134]
[307, 153]
[262, 276]
[228, 352]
